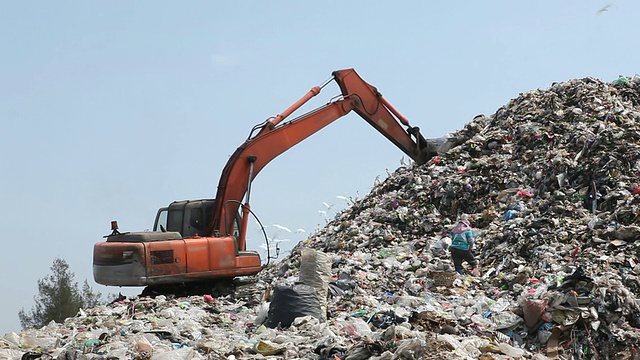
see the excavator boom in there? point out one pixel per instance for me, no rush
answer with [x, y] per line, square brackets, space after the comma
[274, 137]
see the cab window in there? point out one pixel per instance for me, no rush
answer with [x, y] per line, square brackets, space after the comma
[236, 229]
[196, 221]
[161, 220]
[174, 220]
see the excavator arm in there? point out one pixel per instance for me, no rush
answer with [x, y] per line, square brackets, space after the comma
[273, 137]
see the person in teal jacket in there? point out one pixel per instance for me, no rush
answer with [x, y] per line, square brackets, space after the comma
[461, 248]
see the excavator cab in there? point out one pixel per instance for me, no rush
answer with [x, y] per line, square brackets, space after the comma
[188, 217]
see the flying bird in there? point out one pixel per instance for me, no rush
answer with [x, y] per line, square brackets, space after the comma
[274, 240]
[301, 230]
[280, 227]
[271, 247]
[322, 213]
[264, 246]
[328, 206]
[603, 9]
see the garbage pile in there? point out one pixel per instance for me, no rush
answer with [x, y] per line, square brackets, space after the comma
[549, 182]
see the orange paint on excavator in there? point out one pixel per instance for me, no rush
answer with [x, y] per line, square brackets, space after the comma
[198, 240]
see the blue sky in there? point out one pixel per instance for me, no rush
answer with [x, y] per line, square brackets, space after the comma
[110, 110]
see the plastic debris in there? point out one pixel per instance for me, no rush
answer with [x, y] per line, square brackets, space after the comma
[550, 182]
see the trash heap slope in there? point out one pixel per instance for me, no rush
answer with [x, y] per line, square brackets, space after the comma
[550, 182]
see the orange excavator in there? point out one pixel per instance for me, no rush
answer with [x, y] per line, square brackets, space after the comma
[204, 240]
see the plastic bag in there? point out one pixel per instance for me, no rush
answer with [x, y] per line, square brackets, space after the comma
[263, 311]
[71, 354]
[357, 327]
[384, 319]
[506, 320]
[411, 349]
[533, 310]
[142, 346]
[184, 353]
[290, 302]
[315, 271]
[510, 350]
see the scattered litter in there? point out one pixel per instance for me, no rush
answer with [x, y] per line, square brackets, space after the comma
[550, 183]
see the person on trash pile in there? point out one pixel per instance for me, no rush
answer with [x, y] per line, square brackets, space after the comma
[461, 247]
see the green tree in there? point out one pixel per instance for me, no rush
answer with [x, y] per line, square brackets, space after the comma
[59, 297]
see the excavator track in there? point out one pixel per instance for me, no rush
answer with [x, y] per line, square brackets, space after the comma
[217, 288]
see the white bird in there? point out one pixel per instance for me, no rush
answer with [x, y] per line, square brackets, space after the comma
[603, 9]
[280, 227]
[264, 246]
[322, 213]
[342, 197]
[328, 206]
[377, 181]
[301, 230]
[273, 242]
[404, 162]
